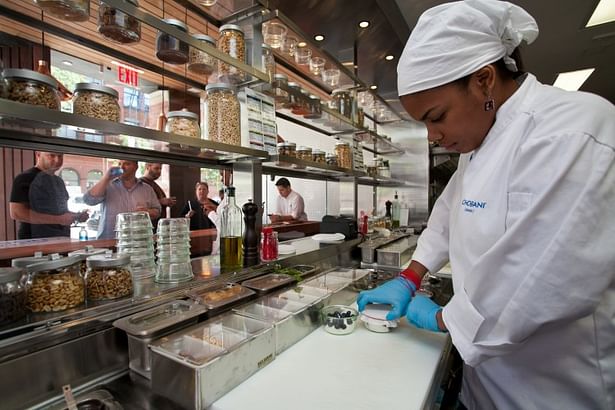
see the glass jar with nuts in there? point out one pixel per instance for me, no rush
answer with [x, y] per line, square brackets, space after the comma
[97, 101]
[30, 87]
[108, 277]
[184, 123]
[331, 159]
[199, 61]
[318, 156]
[55, 285]
[223, 122]
[117, 26]
[170, 49]
[231, 41]
[12, 295]
[344, 156]
[280, 81]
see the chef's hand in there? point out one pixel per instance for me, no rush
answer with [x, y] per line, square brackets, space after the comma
[397, 292]
[423, 313]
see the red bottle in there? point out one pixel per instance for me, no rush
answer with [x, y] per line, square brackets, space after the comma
[269, 245]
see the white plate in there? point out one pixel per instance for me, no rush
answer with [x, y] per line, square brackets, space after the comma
[286, 249]
[329, 237]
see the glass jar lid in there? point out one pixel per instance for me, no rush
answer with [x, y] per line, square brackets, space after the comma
[10, 274]
[30, 75]
[54, 264]
[108, 260]
[291, 144]
[280, 77]
[87, 251]
[220, 86]
[341, 143]
[177, 23]
[29, 260]
[317, 151]
[293, 84]
[303, 148]
[96, 87]
[204, 37]
[183, 113]
[233, 27]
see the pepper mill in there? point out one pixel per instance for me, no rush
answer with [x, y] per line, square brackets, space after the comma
[250, 238]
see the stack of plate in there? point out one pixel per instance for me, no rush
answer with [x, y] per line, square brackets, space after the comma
[133, 231]
[173, 250]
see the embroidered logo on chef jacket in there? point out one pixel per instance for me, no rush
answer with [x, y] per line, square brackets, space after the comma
[470, 205]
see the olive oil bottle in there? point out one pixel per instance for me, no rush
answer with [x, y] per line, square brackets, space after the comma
[231, 231]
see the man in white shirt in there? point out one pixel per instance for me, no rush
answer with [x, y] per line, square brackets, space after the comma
[289, 205]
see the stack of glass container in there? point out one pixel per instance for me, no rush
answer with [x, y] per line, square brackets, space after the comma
[134, 234]
[173, 250]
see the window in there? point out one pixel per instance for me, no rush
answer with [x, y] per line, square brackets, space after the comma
[70, 176]
[94, 176]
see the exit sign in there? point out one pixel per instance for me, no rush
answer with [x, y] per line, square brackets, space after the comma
[127, 76]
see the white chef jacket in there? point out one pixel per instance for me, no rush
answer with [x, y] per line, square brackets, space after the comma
[291, 205]
[528, 222]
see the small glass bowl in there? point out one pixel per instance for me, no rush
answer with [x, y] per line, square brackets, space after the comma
[180, 238]
[331, 77]
[303, 55]
[134, 234]
[173, 272]
[339, 319]
[317, 65]
[274, 34]
[130, 219]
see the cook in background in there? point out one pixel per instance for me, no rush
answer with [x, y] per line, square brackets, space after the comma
[199, 209]
[527, 219]
[152, 173]
[49, 211]
[289, 205]
[123, 193]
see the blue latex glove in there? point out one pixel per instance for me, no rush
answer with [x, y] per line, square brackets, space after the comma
[422, 313]
[397, 292]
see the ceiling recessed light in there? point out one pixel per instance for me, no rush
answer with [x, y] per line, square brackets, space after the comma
[364, 24]
[389, 57]
[604, 13]
[67, 62]
[373, 87]
[572, 80]
[301, 44]
[319, 37]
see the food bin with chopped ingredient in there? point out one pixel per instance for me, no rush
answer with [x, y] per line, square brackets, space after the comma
[184, 123]
[55, 285]
[108, 277]
[96, 101]
[144, 327]
[12, 295]
[209, 359]
[268, 282]
[222, 295]
[292, 319]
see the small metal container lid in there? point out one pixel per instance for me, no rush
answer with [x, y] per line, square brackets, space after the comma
[108, 260]
[155, 320]
[234, 27]
[280, 77]
[10, 274]
[88, 251]
[54, 264]
[204, 37]
[182, 113]
[304, 148]
[177, 23]
[293, 84]
[221, 296]
[96, 87]
[317, 151]
[340, 143]
[29, 260]
[30, 75]
[220, 86]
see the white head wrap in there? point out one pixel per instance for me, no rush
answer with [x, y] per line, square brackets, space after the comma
[453, 40]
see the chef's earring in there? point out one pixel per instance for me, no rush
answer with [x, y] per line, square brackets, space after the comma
[489, 104]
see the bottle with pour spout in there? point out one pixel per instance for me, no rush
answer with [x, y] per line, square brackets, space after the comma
[231, 232]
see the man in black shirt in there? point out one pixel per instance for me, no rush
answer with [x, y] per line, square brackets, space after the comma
[49, 213]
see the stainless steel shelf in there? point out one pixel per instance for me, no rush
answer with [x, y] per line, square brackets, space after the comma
[294, 167]
[24, 121]
[379, 144]
[382, 181]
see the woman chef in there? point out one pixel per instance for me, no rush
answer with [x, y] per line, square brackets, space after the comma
[527, 221]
